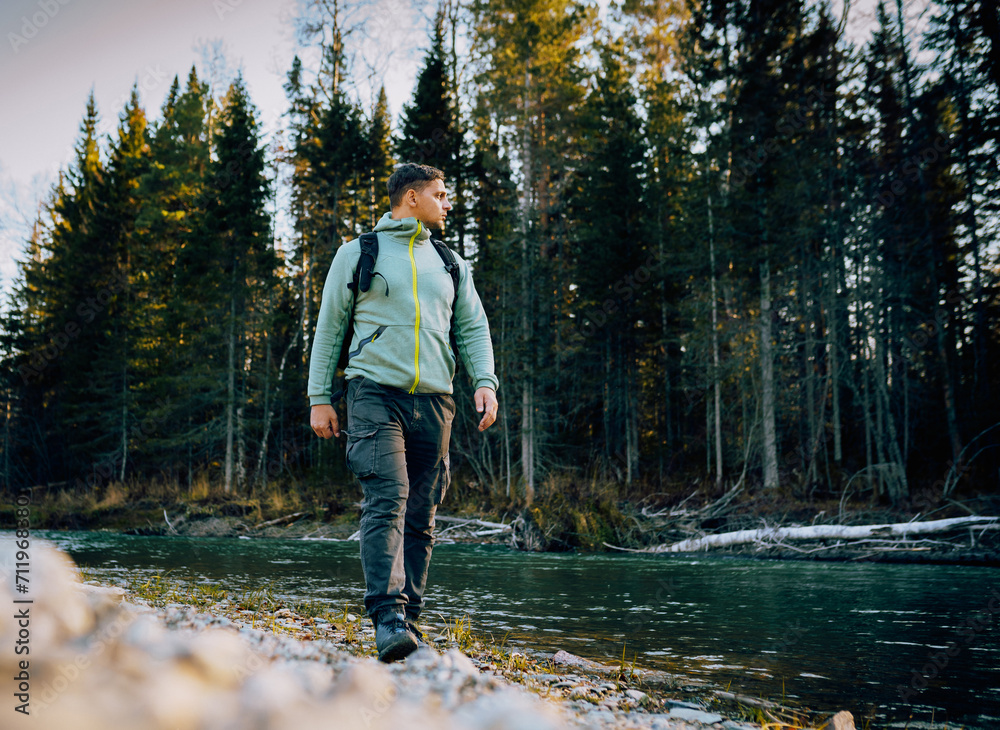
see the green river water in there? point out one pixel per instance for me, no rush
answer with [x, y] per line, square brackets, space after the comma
[894, 642]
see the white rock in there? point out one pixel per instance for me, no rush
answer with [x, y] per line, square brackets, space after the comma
[685, 713]
[222, 659]
[460, 662]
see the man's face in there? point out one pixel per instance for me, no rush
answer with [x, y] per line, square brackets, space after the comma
[431, 204]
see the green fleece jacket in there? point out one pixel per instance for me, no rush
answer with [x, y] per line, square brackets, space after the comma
[402, 323]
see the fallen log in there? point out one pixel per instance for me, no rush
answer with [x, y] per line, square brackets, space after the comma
[279, 520]
[821, 532]
[463, 521]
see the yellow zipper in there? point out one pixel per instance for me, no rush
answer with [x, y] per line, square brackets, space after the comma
[416, 324]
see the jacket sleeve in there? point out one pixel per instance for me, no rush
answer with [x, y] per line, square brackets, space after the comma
[331, 323]
[472, 331]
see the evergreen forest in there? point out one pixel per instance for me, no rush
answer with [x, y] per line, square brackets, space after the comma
[721, 245]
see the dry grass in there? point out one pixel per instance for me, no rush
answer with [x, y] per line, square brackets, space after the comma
[281, 501]
[115, 495]
[200, 488]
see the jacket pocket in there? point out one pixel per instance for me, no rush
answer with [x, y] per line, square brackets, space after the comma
[365, 341]
[362, 451]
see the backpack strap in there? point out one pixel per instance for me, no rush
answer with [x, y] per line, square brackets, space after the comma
[362, 281]
[364, 272]
[366, 265]
[451, 266]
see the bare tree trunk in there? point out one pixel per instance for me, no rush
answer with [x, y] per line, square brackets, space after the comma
[607, 396]
[708, 436]
[833, 363]
[260, 469]
[8, 417]
[868, 427]
[807, 450]
[767, 380]
[879, 419]
[633, 423]
[124, 458]
[905, 384]
[949, 397]
[504, 401]
[527, 387]
[664, 324]
[241, 460]
[716, 375]
[305, 323]
[230, 396]
[897, 476]
[262, 449]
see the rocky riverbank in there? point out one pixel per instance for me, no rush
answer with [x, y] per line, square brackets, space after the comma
[101, 657]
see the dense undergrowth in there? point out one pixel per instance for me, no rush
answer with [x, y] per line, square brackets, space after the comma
[565, 514]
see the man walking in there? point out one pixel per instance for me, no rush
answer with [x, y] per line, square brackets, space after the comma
[399, 385]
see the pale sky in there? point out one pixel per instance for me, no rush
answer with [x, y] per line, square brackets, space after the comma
[53, 52]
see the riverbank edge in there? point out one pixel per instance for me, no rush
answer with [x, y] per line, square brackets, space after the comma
[982, 552]
[591, 694]
[557, 525]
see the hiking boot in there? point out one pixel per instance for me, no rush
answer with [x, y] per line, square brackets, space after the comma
[411, 624]
[392, 637]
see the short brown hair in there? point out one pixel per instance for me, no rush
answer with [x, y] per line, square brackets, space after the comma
[410, 175]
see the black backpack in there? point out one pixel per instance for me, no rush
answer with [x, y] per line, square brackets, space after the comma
[363, 274]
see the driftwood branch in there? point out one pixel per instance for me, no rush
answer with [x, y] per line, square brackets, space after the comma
[279, 520]
[169, 526]
[466, 528]
[460, 521]
[822, 532]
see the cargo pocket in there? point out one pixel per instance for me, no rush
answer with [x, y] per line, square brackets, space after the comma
[362, 451]
[444, 480]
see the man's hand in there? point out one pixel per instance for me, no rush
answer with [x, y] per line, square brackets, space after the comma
[323, 419]
[486, 403]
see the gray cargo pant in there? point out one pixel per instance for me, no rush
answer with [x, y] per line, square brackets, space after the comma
[397, 446]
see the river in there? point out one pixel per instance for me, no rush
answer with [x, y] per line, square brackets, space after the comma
[885, 641]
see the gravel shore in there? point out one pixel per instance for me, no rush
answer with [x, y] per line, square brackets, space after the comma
[99, 658]
[102, 657]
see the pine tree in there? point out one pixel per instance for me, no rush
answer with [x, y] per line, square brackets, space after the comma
[229, 271]
[609, 251]
[428, 130]
[431, 130]
[118, 383]
[72, 281]
[379, 161]
[530, 79]
[171, 208]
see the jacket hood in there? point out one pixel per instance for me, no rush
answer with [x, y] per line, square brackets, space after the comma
[403, 229]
